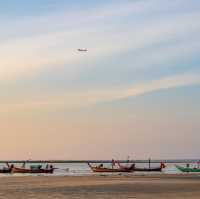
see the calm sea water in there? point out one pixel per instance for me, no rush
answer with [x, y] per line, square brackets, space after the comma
[82, 169]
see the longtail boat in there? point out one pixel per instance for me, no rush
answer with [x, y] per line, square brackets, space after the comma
[33, 169]
[101, 169]
[151, 169]
[187, 169]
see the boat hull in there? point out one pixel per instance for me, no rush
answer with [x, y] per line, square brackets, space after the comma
[157, 169]
[112, 170]
[24, 170]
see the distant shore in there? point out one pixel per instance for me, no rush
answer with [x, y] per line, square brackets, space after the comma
[102, 187]
[104, 161]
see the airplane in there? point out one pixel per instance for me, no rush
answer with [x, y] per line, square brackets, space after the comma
[82, 50]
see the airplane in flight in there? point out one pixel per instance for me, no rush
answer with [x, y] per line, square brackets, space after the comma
[82, 50]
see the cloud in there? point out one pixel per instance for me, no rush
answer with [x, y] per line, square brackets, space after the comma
[91, 97]
[39, 46]
[43, 46]
[135, 47]
[84, 98]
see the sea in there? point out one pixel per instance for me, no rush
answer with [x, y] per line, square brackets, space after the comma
[82, 169]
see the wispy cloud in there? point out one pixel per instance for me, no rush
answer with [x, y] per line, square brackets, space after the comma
[56, 46]
[84, 98]
[45, 46]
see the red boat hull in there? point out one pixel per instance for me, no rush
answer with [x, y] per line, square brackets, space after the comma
[24, 170]
[112, 170]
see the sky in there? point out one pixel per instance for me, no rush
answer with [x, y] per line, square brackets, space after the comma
[135, 92]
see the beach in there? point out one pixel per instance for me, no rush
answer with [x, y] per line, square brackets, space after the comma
[101, 187]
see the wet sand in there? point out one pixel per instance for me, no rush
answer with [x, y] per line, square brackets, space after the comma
[101, 187]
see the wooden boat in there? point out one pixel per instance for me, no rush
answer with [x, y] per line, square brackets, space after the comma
[151, 169]
[32, 169]
[101, 169]
[187, 169]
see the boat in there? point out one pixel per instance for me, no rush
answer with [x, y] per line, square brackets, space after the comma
[33, 169]
[101, 169]
[25, 170]
[187, 169]
[151, 169]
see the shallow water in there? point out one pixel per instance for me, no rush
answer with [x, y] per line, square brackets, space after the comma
[82, 169]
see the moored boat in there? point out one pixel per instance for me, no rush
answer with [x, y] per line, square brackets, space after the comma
[188, 169]
[101, 169]
[33, 169]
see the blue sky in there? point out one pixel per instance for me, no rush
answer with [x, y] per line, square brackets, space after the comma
[136, 49]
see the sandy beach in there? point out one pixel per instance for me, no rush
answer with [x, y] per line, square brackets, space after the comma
[100, 187]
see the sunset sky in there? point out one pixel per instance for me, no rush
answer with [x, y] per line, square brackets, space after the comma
[135, 92]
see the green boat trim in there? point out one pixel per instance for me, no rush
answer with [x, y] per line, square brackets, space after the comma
[187, 169]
